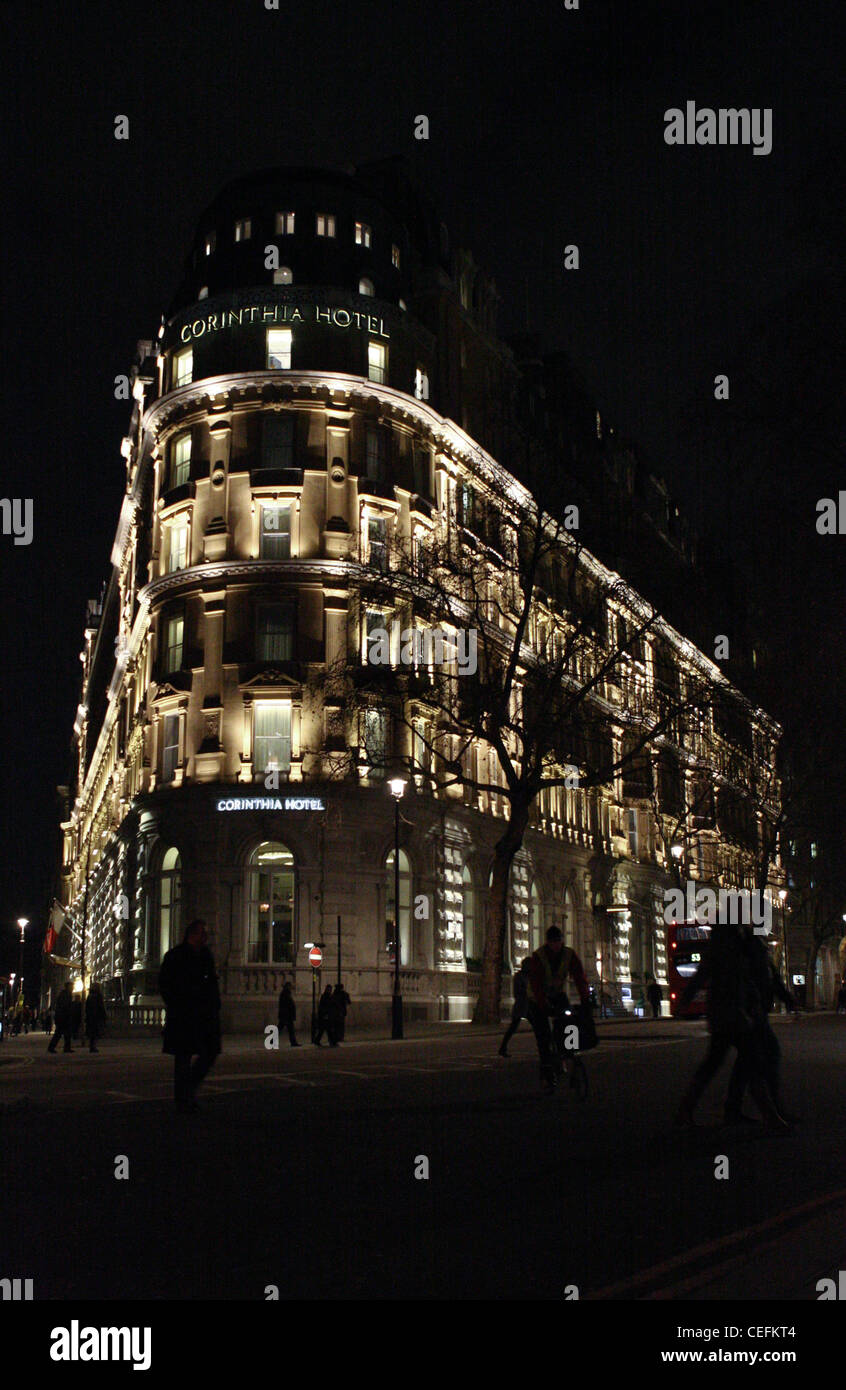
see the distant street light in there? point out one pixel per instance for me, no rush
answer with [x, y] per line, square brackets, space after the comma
[23, 923]
[397, 787]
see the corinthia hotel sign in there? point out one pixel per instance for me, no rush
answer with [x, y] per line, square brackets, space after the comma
[282, 314]
[270, 803]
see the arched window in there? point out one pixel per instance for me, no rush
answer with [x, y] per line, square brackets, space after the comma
[536, 932]
[270, 907]
[365, 286]
[473, 943]
[170, 900]
[568, 923]
[404, 906]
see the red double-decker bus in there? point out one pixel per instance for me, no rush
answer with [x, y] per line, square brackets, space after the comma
[685, 941]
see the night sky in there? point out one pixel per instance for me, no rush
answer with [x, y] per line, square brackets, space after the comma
[546, 128]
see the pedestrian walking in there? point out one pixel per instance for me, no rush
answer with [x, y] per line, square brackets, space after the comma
[76, 1016]
[655, 995]
[518, 1011]
[326, 1018]
[341, 1001]
[769, 986]
[189, 988]
[732, 1010]
[95, 1017]
[64, 1019]
[288, 1013]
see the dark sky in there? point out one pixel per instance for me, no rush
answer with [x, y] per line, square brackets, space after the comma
[546, 127]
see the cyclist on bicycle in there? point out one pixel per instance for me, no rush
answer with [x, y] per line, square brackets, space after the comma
[549, 969]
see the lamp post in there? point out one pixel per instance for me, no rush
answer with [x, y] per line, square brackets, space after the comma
[782, 897]
[397, 786]
[23, 923]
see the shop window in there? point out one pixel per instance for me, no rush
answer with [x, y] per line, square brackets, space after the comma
[270, 907]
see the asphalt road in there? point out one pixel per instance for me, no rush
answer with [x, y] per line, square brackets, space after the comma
[299, 1171]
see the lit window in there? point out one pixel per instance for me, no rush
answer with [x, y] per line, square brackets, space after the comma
[375, 738]
[365, 286]
[180, 460]
[203, 292]
[178, 547]
[170, 901]
[210, 243]
[283, 276]
[422, 465]
[377, 542]
[362, 234]
[395, 257]
[632, 833]
[535, 919]
[421, 384]
[279, 347]
[270, 914]
[275, 638]
[173, 643]
[472, 926]
[183, 367]
[326, 224]
[377, 357]
[403, 305]
[275, 539]
[243, 229]
[284, 224]
[814, 850]
[272, 741]
[404, 905]
[170, 746]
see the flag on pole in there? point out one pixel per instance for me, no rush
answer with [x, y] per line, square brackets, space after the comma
[57, 921]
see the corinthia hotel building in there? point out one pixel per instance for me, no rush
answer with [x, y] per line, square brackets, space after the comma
[322, 388]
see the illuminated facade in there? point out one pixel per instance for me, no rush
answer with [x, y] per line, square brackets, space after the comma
[295, 419]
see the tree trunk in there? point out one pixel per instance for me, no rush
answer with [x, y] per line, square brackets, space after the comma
[490, 994]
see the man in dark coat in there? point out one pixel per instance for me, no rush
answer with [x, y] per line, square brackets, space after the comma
[95, 1017]
[326, 1015]
[769, 986]
[341, 1001]
[288, 1013]
[655, 995]
[188, 986]
[64, 1019]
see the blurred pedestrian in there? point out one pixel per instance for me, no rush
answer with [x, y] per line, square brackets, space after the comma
[655, 995]
[734, 1014]
[76, 1016]
[341, 1001]
[518, 1011]
[64, 1019]
[288, 1013]
[326, 1014]
[189, 988]
[95, 1017]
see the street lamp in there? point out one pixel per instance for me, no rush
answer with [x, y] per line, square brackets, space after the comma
[397, 788]
[782, 897]
[23, 923]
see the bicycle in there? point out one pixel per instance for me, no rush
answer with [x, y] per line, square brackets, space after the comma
[568, 1060]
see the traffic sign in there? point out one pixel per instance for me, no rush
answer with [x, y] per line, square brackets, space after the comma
[315, 957]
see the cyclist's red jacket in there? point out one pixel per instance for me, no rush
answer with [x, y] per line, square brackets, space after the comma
[548, 975]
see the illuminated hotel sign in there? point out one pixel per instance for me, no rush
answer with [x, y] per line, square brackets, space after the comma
[271, 803]
[282, 313]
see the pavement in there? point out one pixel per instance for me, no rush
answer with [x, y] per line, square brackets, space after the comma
[302, 1170]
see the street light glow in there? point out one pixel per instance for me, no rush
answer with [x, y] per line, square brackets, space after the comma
[397, 786]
